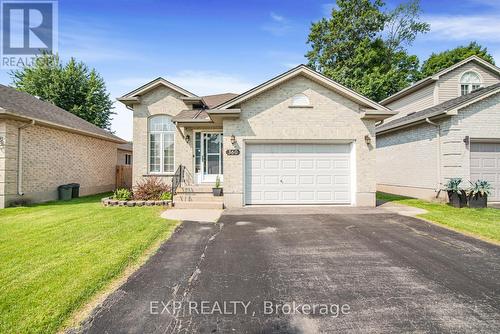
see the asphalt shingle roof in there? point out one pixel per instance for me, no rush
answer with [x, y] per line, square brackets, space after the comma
[437, 109]
[214, 100]
[25, 105]
[190, 115]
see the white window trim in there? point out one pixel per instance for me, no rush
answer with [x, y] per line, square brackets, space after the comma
[481, 81]
[161, 172]
[308, 105]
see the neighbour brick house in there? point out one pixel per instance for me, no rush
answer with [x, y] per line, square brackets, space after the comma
[299, 138]
[43, 146]
[446, 126]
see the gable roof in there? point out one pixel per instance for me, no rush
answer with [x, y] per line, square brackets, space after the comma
[439, 109]
[433, 78]
[23, 106]
[134, 95]
[216, 99]
[308, 72]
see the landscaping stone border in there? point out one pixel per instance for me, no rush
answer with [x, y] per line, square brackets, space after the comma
[109, 201]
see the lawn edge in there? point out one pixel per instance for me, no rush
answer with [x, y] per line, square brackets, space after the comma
[74, 322]
[451, 228]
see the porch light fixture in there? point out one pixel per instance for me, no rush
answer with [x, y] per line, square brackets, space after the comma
[187, 138]
[467, 140]
[368, 140]
[233, 139]
[2, 141]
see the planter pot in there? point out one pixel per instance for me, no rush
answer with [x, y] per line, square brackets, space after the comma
[478, 201]
[457, 200]
[217, 191]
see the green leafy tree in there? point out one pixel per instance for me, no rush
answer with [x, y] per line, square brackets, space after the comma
[439, 61]
[362, 46]
[70, 86]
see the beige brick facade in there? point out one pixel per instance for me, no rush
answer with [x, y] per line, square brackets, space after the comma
[52, 157]
[161, 100]
[267, 117]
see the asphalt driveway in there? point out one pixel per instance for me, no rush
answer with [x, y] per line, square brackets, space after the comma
[345, 271]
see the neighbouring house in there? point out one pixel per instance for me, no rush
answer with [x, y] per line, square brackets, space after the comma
[43, 146]
[298, 138]
[447, 126]
[124, 154]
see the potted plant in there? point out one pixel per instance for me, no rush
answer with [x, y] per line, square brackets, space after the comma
[478, 194]
[456, 196]
[217, 191]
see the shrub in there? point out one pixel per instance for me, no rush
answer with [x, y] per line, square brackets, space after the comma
[480, 188]
[167, 195]
[122, 194]
[150, 189]
[453, 185]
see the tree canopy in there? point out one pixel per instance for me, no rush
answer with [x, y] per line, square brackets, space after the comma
[363, 46]
[71, 86]
[439, 61]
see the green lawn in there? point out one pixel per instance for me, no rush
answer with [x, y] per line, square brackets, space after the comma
[55, 257]
[484, 223]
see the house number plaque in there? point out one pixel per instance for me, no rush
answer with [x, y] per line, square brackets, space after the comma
[233, 152]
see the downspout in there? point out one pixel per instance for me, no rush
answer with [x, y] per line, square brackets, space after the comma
[438, 127]
[20, 157]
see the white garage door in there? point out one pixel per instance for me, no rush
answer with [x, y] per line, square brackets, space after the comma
[485, 165]
[298, 174]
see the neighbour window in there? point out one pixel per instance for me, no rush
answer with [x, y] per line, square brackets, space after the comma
[300, 100]
[469, 82]
[128, 159]
[161, 133]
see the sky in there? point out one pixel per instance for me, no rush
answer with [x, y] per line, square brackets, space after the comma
[210, 47]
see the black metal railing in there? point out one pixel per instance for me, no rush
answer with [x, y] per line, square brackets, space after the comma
[177, 179]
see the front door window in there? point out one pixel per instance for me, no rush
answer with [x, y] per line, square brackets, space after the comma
[208, 156]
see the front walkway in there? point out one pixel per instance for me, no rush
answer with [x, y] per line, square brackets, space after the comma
[373, 271]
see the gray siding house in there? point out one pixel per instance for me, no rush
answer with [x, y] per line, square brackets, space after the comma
[446, 126]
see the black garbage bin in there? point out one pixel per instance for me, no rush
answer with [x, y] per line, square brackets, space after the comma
[75, 190]
[64, 192]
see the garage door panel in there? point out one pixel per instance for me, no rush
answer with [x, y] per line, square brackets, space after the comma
[289, 164]
[485, 165]
[306, 164]
[308, 174]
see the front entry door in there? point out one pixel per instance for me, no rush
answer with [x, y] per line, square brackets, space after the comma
[211, 156]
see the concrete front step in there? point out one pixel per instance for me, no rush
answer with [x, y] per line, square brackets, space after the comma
[198, 197]
[195, 189]
[198, 205]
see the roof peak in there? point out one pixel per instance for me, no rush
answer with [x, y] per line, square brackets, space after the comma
[435, 77]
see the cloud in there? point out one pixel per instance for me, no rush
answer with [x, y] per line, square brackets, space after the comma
[92, 41]
[277, 18]
[209, 82]
[464, 28]
[278, 26]
[198, 82]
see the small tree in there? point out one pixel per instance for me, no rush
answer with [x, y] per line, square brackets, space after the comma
[439, 61]
[70, 86]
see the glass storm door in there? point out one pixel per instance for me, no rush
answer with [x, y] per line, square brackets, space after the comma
[211, 156]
